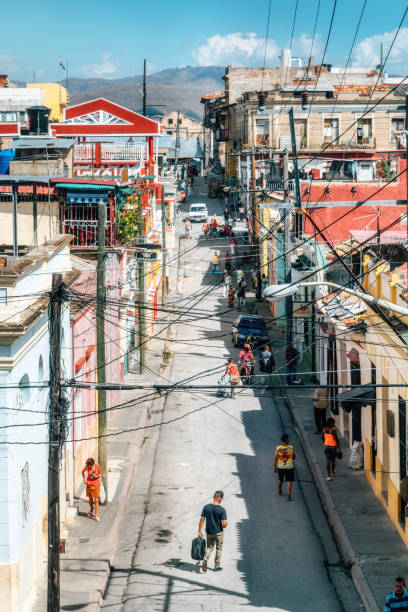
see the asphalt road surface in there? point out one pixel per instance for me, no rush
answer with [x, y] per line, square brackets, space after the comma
[273, 558]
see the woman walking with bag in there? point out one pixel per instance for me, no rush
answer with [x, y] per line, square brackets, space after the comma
[232, 371]
[331, 446]
[93, 486]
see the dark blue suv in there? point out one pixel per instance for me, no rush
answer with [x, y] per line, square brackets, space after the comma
[249, 328]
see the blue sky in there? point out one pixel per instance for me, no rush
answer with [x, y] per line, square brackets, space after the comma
[110, 39]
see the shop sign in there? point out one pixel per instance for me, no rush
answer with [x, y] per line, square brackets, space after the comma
[302, 309]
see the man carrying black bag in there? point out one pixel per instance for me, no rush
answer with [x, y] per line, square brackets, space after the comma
[215, 518]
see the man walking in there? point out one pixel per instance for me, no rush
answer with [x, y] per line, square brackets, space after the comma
[216, 262]
[215, 518]
[241, 286]
[398, 599]
[284, 464]
[292, 357]
[320, 404]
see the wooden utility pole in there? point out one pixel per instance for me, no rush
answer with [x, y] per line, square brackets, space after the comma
[144, 88]
[55, 435]
[255, 231]
[100, 346]
[164, 247]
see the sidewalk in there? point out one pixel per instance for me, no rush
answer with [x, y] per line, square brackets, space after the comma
[368, 541]
[91, 546]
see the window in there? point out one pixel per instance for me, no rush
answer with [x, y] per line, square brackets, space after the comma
[179, 121]
[170, 121]
[402, 409]
[364, 131]
[262, 131]
[3, 297]
[397, 125]
[24, 390]
[301, 132]
[330, 130]
[169, 132]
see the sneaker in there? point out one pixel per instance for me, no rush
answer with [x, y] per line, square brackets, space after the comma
[204, 566]
[217, 569]
[279, 491]
[328, 478]
[289, 498]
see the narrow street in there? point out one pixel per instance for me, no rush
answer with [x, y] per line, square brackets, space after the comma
[272, 556]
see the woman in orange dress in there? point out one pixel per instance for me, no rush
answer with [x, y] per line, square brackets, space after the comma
[93, 486]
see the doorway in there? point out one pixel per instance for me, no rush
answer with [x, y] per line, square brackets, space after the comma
[386, 445]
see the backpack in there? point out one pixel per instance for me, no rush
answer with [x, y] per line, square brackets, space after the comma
[198, 549]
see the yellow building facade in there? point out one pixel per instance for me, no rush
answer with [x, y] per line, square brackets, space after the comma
[55, 97]
[382, 356]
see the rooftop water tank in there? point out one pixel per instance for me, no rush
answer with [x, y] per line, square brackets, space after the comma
[38, 118]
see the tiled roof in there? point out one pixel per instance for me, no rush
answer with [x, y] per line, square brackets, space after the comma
[214, 95]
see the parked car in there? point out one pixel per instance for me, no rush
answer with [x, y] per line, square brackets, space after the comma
[249, 328]
[198, 212]
[240, 231]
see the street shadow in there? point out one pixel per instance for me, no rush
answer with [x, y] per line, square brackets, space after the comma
[184, 566]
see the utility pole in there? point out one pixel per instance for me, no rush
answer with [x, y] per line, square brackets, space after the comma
[177, 140]
[141, 270]
[55, 439]
[298, 216]
[164, 248]
[100, 345]
[255, 231]
[144, 87]
[287, 244]
[406, 153]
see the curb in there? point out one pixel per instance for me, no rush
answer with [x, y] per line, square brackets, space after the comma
[128, 474]
[345, 547]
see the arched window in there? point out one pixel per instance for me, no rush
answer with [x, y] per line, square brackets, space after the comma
[24, 389]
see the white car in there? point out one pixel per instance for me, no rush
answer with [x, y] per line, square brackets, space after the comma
[198, 212]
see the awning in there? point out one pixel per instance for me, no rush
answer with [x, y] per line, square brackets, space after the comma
[357, 397]
[83, 197]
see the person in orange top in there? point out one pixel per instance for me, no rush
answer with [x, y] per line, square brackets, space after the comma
[331, 446]
[232, 371]
[206, 227]
[93, 486]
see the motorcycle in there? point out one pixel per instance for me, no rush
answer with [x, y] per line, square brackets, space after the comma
[247, 371]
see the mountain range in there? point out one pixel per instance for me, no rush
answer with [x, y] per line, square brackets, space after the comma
[172, 89]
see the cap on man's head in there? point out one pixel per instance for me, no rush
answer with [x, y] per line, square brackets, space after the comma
[219, 494]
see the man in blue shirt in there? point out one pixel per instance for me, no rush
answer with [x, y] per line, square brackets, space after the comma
[215, 518]
[398, 599]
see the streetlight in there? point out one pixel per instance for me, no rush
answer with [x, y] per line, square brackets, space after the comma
[275, 293]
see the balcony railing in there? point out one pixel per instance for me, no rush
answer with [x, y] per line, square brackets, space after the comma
[277, 185]
[87, 152]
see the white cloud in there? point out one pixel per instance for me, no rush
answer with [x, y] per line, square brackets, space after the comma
[105, 68]
[240, 49]
[303, 45]
[367, 52]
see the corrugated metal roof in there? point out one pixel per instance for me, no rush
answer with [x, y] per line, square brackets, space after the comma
[42, 143]
[9, 179]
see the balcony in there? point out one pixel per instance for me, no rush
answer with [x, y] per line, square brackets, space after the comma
[109, 152]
